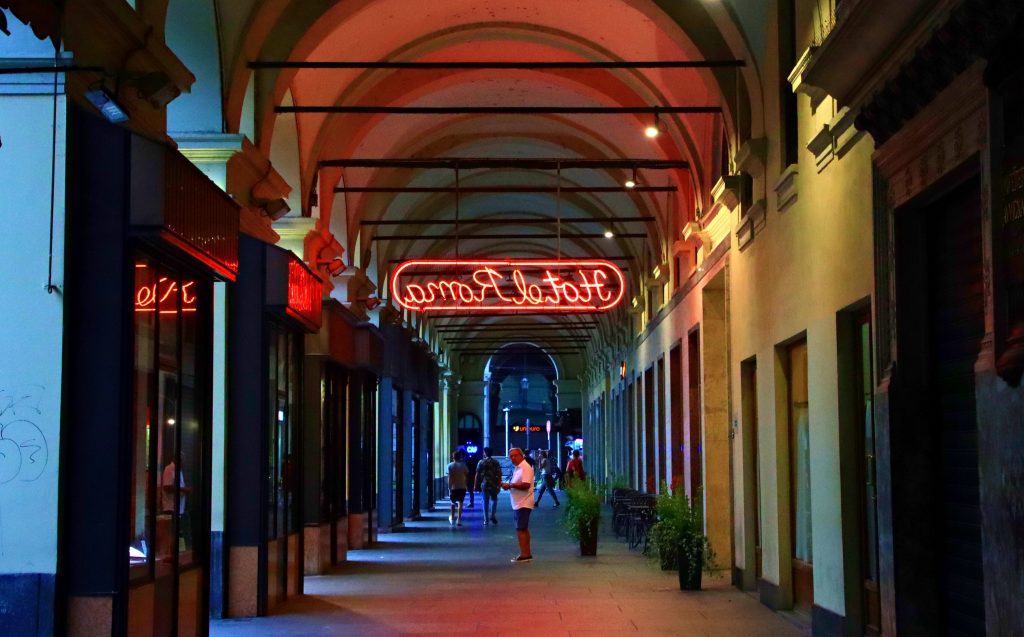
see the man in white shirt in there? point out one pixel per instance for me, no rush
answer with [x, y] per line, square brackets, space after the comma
[521, 490]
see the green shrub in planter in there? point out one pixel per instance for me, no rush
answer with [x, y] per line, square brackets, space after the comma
[679, 533]
[583, 514]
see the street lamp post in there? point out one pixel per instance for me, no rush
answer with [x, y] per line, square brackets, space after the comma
[506, 409]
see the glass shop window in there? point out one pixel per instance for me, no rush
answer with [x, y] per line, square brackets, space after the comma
[284, 353]
[166, 510]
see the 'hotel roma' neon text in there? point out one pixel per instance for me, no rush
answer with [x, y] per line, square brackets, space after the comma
[592, 285]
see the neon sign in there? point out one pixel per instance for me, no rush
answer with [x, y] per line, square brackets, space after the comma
[162, 296]
[582, 285]
[532, 428]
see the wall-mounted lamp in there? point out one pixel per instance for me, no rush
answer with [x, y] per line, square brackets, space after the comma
[105, 103]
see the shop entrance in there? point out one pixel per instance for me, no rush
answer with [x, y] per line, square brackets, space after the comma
[937, 513]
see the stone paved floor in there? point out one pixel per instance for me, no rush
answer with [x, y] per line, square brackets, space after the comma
[435, 579]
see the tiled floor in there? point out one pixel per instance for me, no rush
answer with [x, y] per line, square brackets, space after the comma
[436, 579]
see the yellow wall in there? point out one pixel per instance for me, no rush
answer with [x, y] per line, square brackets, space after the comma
[805, 265]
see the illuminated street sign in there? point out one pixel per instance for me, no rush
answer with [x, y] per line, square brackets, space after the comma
[495, 286]
[522, 428]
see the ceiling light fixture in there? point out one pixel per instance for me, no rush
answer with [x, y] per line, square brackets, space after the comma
[632, 181]
[654, 127]
[608, 234]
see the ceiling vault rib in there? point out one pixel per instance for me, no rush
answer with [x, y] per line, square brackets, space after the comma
[500, 110]
[496, 65]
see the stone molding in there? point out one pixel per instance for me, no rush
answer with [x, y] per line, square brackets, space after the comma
[945, 133]
[786, 188]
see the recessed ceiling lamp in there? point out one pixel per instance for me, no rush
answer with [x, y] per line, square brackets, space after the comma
[654, 127]
[608, 234]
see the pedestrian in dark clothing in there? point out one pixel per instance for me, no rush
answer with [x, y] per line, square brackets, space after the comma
[488, 479]
[547, 475]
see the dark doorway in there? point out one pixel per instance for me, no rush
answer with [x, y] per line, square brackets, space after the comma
[675, 373]
[649, 463]
[661, 423]
[696, 464]
[956, 326]
[934, 442]
[752, 455]
[801, 537]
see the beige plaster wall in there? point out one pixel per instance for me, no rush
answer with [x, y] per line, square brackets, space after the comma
[805, 264]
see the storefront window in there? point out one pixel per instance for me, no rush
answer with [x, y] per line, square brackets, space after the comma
[284, 358]
[167, 422]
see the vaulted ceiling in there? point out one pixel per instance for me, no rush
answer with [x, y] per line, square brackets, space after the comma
[470, 31]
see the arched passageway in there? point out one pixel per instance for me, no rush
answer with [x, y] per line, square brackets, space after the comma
[271, 262]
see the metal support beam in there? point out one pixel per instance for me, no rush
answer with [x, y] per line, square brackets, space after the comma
[500, 110]
[541, 221]
[516, 313]
[469, 163]
[470, 237]
[520, 327]
[535, 66]
[443, 330]
[564, 256]
[494, 350]
[514, 339]
[502, 189]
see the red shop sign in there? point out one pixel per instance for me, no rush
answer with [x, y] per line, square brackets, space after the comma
[163, 295]
[497, 286]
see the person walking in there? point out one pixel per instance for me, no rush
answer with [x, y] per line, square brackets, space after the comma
[488, 480]
[457, 475]
[520, 489]
[472, 462]
[574, 471]
[547, 477]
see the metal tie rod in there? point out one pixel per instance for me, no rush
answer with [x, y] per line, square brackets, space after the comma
[469, 237]
[541, 221]
[502, 189]
[568, 64]
[468, 163]
[500, 110]
[484, 258]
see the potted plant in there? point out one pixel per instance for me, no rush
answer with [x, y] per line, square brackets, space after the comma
[678, 536]
[583, 514]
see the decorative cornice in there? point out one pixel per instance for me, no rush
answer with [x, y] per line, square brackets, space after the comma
[945, 133]
[971, 32]
[751, 157]
[786, 187]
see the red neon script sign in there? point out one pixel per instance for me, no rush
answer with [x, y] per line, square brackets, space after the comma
[583, 285]
[162, 296]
